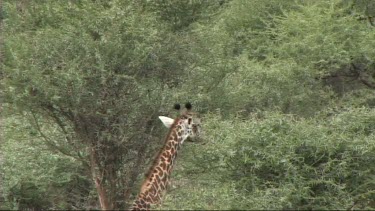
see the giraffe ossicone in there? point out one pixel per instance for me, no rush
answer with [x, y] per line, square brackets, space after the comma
[187, 124]
[166, 121]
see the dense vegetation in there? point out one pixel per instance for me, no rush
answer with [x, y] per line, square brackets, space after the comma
[285, 89]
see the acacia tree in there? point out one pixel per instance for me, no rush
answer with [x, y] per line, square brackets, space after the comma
[96, 72]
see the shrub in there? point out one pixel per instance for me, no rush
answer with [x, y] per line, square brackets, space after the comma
[277, 161]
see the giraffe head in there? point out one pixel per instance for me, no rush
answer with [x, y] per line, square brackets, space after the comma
[188, 120]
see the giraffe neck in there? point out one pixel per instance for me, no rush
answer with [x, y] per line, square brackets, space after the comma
[158, 175]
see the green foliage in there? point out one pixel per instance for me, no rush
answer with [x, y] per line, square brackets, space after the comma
[281, 86]
[106, 47]
[275, 161]
[98, 72]
[179, 15]
[322, 37]
[285, 90]
[284, 56]
[361, 7]
[36, 177]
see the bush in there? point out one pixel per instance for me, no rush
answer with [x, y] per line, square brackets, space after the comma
[275, 161]
[36, 178]
[307, 164]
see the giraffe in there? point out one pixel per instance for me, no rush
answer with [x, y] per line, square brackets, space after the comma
[187, 124]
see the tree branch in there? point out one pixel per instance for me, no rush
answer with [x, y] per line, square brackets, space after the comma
[363, 76]
[102, 194]
[51, 144]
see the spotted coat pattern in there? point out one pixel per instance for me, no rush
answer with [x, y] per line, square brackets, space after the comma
[158, 176]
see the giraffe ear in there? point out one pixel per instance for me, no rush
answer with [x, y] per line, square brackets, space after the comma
[166, 121]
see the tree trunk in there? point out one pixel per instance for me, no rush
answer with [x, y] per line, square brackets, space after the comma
[102, 193]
